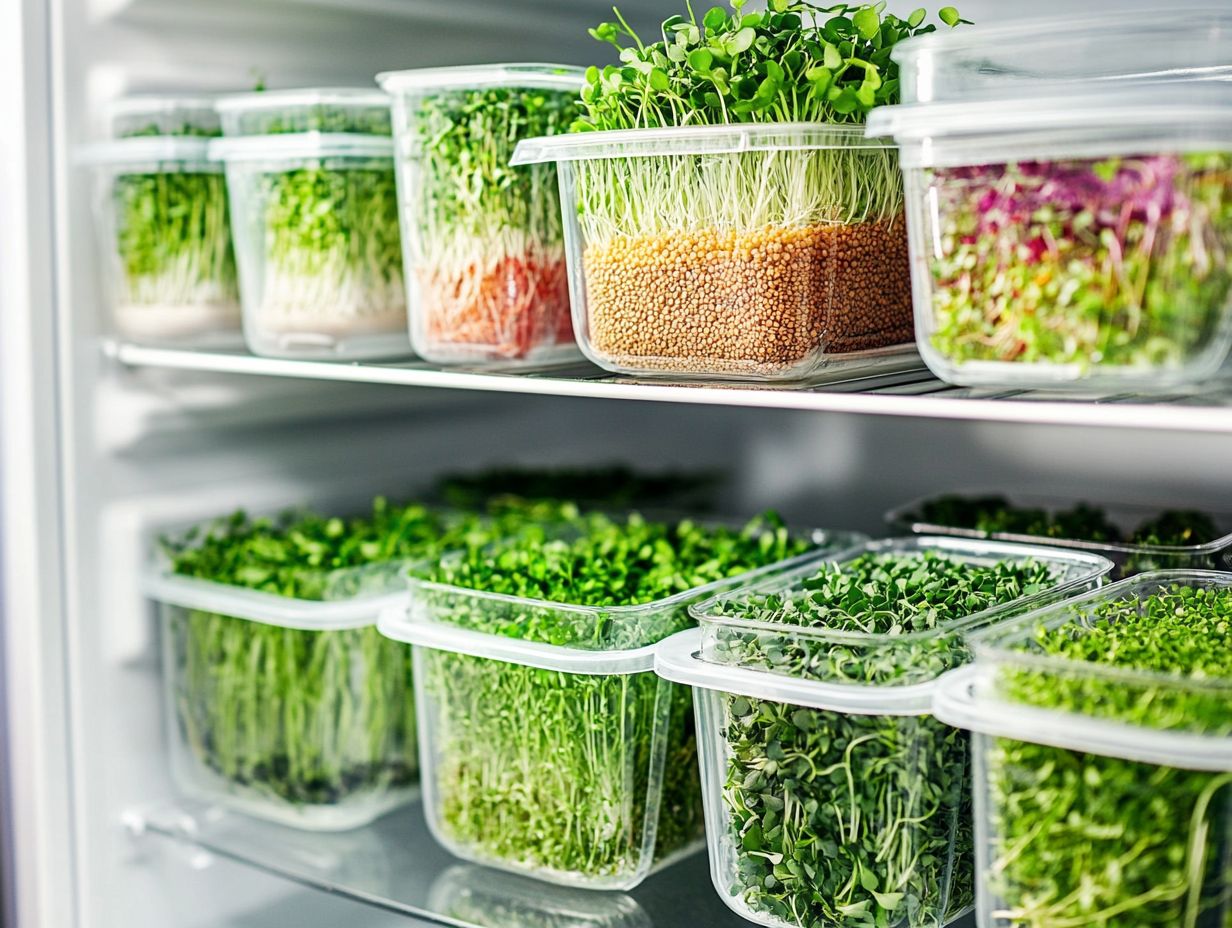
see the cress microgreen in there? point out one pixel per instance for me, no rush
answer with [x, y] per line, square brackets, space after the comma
[552, 772]
[1096, 839]
[844, 819]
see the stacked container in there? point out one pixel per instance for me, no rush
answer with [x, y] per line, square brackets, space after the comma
[1069, 200]
[1103, 757]
[161, 222]
[832, 796]
[784, 254]
[549, 746]
[311, 179]
[482, 241]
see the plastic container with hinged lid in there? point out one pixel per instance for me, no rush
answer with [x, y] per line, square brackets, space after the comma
[315, 221]
[832, 796]
[549, 747]
[1103, 757]
[482, 241]
[758, 252]
[1079, 239]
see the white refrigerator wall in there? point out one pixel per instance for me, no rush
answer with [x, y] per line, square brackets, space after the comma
[96, 457]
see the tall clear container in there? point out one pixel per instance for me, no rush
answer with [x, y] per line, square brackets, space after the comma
[482, 241]
[1103, 790]
[832, 796]
[1079, 240]
[758, 252]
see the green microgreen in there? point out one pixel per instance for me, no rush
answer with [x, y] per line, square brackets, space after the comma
[1094, 839]
[839, 819]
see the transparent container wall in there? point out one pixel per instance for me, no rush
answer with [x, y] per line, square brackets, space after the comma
[319, 256]
[1071, 838]
[306, 111]
[186, 118]
[164, 241]
[1021, 671]
[314, 729]
[761, 265]
[1091, 272]
[1126, 531]
[821, 818]
[483, 242]
[904, 658]
[585, 780]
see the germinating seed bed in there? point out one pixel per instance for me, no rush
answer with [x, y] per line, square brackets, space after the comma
[841, 819]
[1087, 839]
[558, 773]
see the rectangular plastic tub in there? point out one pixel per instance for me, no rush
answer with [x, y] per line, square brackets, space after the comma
[736, 252]
[315, 220]
[1103, 793]
[358, 110]
[292, 710]
[1024, 57]
[832, 796]
[179, 115]
[1075, 241]
[482, 241]
[567, 761]
[163, 239]
[957, 515]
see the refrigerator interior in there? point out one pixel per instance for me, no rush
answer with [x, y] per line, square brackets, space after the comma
[98, 456]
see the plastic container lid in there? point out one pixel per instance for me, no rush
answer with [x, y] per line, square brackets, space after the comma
[300, 145]
[312, 96]
[1023, 57]
[678, 659]
[694, 140]
[545, 76]
[144, 149]
[959, 699]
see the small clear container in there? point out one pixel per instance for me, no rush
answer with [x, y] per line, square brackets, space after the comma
[1103, 794]
[352, 110]
[567, 761]
[1072, 241]
[483, 242]
[832, 796]
[922, 517]
[185, 116]
[293, 710]
[163, 238]
[1024, 57]
[749, 252]
[315, 222]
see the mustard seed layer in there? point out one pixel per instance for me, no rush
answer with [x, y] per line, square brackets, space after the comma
[762, 303]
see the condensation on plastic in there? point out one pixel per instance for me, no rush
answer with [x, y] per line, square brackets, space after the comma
[786, 300]
[335, 301]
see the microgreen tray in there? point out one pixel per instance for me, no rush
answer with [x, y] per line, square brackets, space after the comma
[1067, 523]
[1103, 757]
[832, 796]
[359, 110]
[569, 761]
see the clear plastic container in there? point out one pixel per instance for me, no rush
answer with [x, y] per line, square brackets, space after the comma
[922, 516]
[567, 761]
[358, 110]
[316, 236]
[1074, 241]
[482, 241]
[755, 252]
[1103, 794]
[183, 115]
[1024, 57]
[832, 797]
[292, 710]
[164, 241]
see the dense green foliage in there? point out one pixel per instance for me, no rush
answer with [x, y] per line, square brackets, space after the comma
[1086, 839]
[845, 819]
[551, 772]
